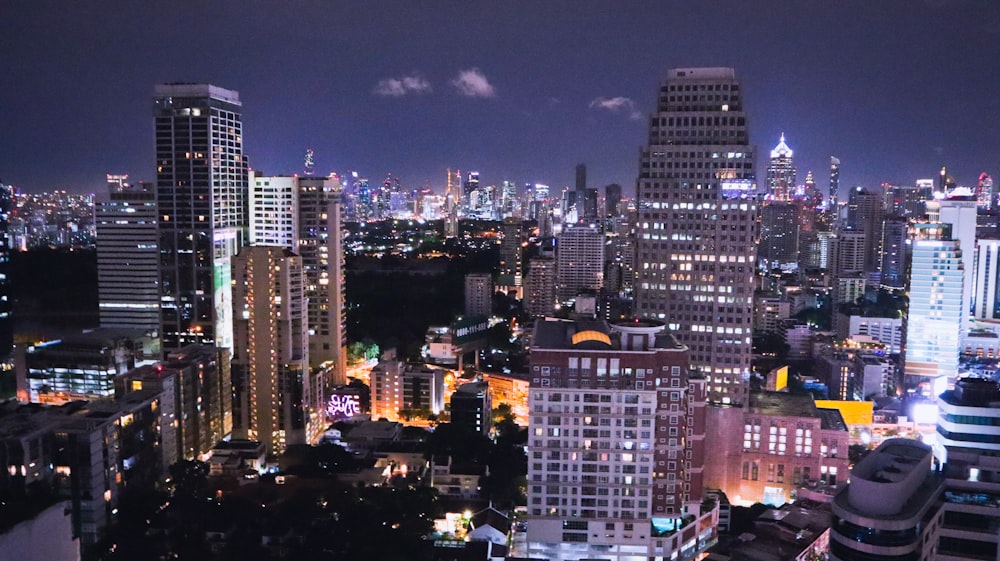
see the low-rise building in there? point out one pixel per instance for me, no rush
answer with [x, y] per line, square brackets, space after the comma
[787, 440]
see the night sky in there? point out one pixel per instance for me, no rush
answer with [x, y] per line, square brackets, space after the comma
[519, 91]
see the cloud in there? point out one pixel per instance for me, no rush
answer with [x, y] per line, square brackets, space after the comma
[617, 105]
[473, 83]
[398, 87]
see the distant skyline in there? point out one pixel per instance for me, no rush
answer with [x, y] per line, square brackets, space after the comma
[520, 91]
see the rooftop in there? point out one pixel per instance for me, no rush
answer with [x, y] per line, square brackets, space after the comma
[783, 403]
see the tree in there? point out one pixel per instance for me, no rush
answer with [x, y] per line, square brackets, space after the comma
[502, 413]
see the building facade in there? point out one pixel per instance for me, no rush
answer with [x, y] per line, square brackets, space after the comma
[303, 214]
[201, 191]
[540, 287]
[478, 294]
[127, 256]
[277, 399]
[697, 207]
[936, 319]
[579, 260]
[616, 442]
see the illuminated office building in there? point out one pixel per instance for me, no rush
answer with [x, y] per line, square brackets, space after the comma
[696, 249]
[201, 185]
[128, 256]
[781, 172]
[936, 316]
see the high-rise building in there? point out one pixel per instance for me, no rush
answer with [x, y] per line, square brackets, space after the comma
[204, 398]
[273, 204]
[865, 214]
[636, 461]
[612, 199]
[959, 210]
[128, 257]
[986, 295]
[779, 234]
[696, 250]
[6, 245]
[321, 247]
[478, 294]
[540, 287]
[906, 500]
[966, 445]
[589, 205]
[581, 178]
[201, 186]
[387, 389]
[303, 214]
[470, 190]
[936, 317]
[781, 172]
[579, 260]
[275, 400]
[510, 252]
[984, 191]
[895, 231]
[834, 182]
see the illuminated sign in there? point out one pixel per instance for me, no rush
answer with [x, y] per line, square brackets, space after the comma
[737, 188]
[470, 329]
[343, 406]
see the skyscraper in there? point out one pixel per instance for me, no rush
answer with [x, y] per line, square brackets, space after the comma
[987, 283]
[959, 210]
[579, 260]
[779, 234]
[303, 214]
[127, 256]
[540, 287]
[201, 185]
[510, 252]
[834, 182]
[697, 224]
[781, 172]
[865, 214]
[274, 401]
[893, 269]
[612, 199]
[6, 300]
[321, 247]
[935, 319]
[478, 294]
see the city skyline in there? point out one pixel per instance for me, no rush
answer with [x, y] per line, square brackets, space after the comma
[522, 94]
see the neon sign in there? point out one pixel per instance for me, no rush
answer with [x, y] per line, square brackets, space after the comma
[343, 406]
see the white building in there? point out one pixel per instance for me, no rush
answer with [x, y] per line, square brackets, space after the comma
[579, 260]
[959, 210]
[936, 317]
[303, 214]
[888, 331]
